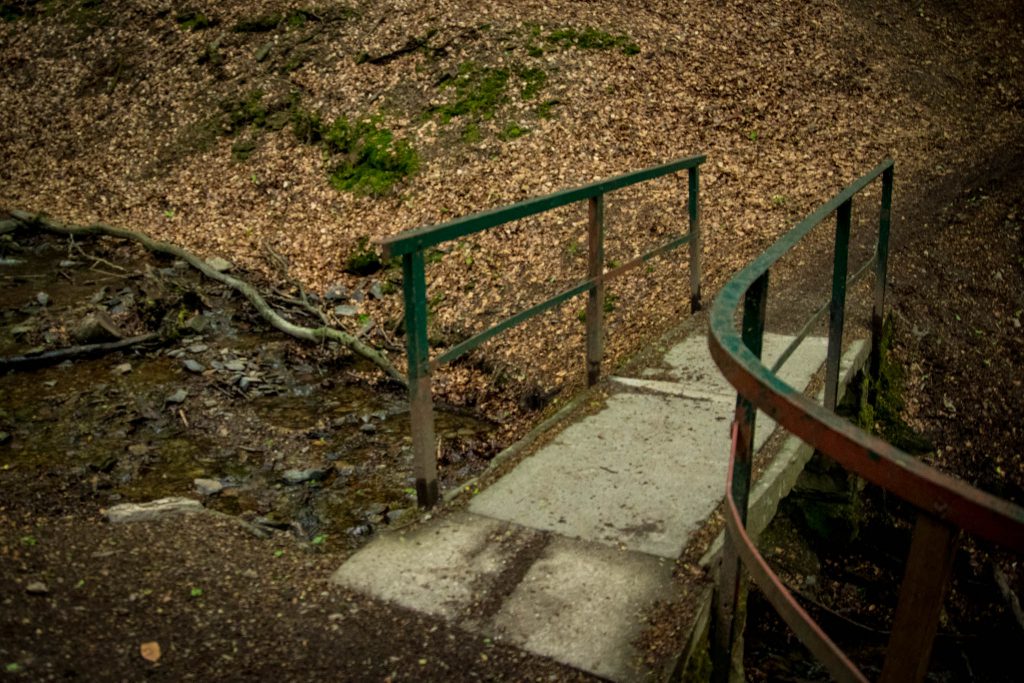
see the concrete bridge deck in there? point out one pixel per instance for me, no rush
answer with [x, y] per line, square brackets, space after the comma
[566, 554]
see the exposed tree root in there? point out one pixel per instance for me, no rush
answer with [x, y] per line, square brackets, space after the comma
[313, 334]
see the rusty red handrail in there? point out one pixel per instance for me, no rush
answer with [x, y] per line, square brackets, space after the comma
[945, 504]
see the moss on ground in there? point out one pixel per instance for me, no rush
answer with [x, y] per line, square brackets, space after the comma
[365, 158]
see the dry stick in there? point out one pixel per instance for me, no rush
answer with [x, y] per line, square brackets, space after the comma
[60, 355]
[317, 334]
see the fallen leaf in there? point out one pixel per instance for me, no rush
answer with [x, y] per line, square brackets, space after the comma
[150, 651]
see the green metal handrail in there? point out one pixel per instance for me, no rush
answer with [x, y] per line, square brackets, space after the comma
[411, 244]
[945, 505]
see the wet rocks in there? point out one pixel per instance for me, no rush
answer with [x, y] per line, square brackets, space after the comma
[193, 366]
[207, 487]
[294, 476]
[155, 509]
[96, 328]
[177, 397]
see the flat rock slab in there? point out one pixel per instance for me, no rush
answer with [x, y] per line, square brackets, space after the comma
[584, 605]
[646, 471]
[154, 509]
[443, 568]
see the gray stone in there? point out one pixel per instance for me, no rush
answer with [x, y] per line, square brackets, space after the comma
[178, 396]
[155, 509]
[22, 330]
[208, 487]
[337, 292]
[368, 428]
[193, 366]
[235, 365]
[219, 264]
[294, 477]
[198, 324]
[121, 369]
[376, 291]
[37, 588]
[43, 299]
[96, 328]
[264, 50]
[198, 347]
[346, 310]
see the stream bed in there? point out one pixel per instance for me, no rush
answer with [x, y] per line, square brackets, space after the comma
[286, 435]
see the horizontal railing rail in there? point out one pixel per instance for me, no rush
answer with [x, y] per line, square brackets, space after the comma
[411, 244]
[945, 504]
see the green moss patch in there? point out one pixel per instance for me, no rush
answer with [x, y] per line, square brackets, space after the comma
[372, 161]
[479, 91]
[512, 131]
[191, 20]
[364, 157]
[589, 38]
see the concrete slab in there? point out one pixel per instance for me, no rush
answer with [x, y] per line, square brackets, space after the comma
[439, 568]
[690, 362]
[645, 471]
[584, 605]
[641, 474]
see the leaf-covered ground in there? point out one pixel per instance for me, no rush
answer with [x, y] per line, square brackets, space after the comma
[139, 114]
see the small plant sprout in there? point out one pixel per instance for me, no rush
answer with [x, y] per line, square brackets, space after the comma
[196, 592]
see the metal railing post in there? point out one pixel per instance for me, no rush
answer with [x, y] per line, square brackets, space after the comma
[837, 307]
[595, 299]
[729, 617]
[414, 289]
[695, 238]
[924, 587]
[881, 274]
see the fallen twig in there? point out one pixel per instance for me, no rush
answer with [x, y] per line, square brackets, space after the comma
[33, 360]
[317, 334]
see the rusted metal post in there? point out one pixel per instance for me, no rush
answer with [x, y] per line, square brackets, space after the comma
[414, 289]
[881, 274]
[924, 587]
[695, 238]
[729, 606]
[837, 307]
[595, 301]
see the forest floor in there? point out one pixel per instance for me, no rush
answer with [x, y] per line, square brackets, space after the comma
[230, 128]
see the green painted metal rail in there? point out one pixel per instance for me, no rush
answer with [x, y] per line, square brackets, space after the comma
[411, 244]
[945, 505]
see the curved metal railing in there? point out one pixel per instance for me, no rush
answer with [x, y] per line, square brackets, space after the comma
[945, 505]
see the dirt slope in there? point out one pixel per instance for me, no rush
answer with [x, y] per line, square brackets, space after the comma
[127, 112]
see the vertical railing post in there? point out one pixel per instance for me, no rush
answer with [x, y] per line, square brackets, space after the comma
[595, 300]
[695, 238]
[837, 307]
[881, 274]
[414, 288]
[729, 606]
[924, 587]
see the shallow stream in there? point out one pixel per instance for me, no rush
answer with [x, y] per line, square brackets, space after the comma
[286, 436]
